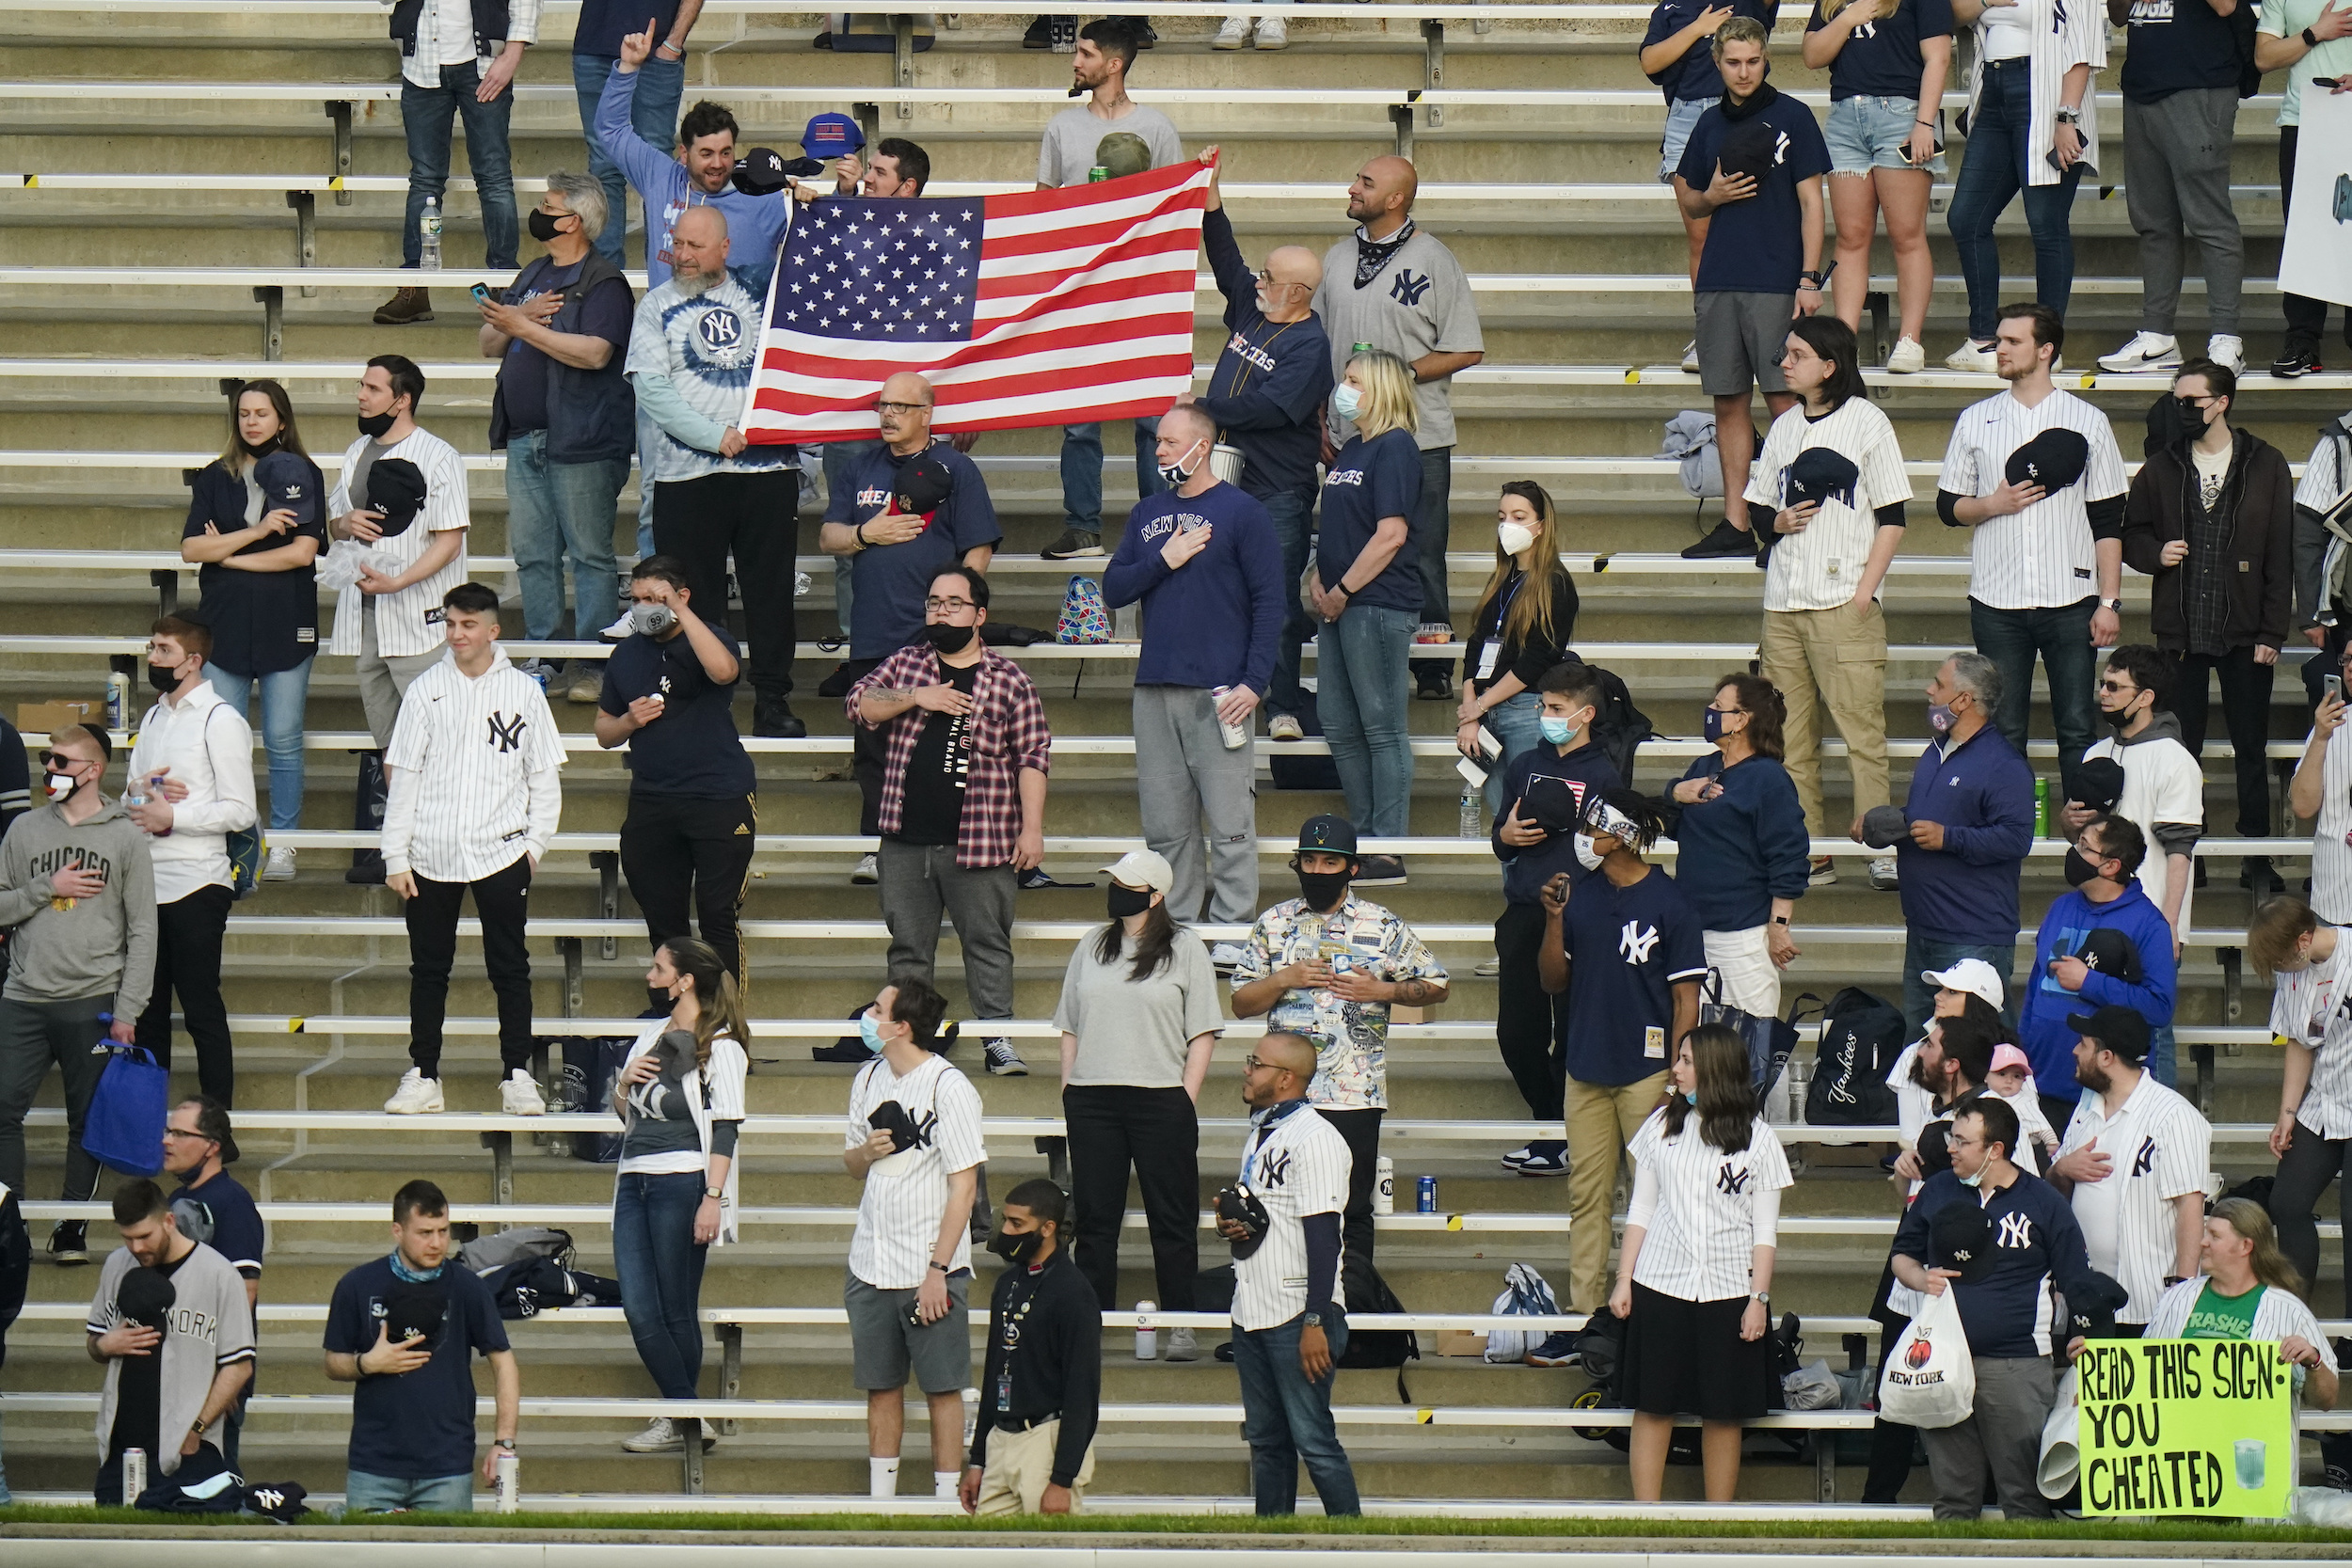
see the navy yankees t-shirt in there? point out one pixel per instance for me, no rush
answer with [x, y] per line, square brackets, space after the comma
[893, 580]
[693, 751]
[1694, 75]
[419, 1425]
[1369, 481]
[2177, 46]
[1627, 947]
[1880, 59]
[1757, 246]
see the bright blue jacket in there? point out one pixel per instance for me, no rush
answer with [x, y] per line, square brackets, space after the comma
[2042, 1011]
[1966, 892]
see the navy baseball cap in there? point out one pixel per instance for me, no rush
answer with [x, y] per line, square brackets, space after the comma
[2053, 459]
[1820, 474]
[2119, 1029]
[760, 172]
[289, 484]
[1334, 833]
[831, 135]
[1962, 1234]
[396, 488]
[1752, 147]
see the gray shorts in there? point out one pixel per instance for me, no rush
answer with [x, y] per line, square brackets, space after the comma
[884, 1347]
[1741, 337]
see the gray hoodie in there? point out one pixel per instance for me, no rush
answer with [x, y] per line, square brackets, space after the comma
[66, 949]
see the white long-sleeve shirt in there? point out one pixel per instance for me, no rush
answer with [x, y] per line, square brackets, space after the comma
[208, 746]
[472, 781]
[445, 36]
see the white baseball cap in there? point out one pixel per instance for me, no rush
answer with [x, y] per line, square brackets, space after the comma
[1144, 868]
[1973, 975]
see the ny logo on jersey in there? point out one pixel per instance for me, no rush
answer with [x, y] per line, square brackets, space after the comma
[1408, 289]
[1867, 30]
[1780, 148]
[1729, 1182]
[1636, 942]
[1274, 1167]
[2016, 1232]
[2145, 1161]
[506, 731]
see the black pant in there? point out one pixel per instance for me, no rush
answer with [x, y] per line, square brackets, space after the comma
[1157, 1131]
[188, 933]
[1361, 1129]
[2309, 1165]
[679, 854]
[2245, 710]
[502, 899]
[870, 752]
[1891, 1442]
[1530, 1026]
[756, 516]
[2307, 318]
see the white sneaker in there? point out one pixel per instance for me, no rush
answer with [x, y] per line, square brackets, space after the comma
[1517, 1157]
[280, 867]
[417, 1095]
[1884, 876]
[1226, 956]
[1972, 356]
[1179, 1346]
[2147, 351]
[867, 872]
[1285, 727]
[1691, 357]
[1232, 35]
[1273, 33]
[1489, 969]
[2227, 352]
[1908, 357]
[519, 1096]
[621, 631]
[659, 1436]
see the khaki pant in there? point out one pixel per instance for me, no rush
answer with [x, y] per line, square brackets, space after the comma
[1827, 658]
[1601, 1120]
[1021, 1465]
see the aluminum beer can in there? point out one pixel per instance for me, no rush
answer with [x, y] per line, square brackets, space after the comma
[134, 1475]
[1425, 1195]
[1235, 735]
[2042, 808]
[1147, 1337]
[1384, 1192]
[509, 1474]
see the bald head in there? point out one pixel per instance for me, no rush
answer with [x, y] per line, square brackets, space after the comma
[904, 409]
[1383, 195]
[1290, 1053]
[698, 248]
[1293, 275]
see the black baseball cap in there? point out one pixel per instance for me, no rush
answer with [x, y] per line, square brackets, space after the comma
[1884, 826]
[924, 483]
[414, 1310]
[2112, 953]
[2099, 783]
[759, 172]
[396, 488]
[1962, 1237]
[1334, 833]
[2121, 1029]
[2053, 459]
[145, 1297]
[1752, 147]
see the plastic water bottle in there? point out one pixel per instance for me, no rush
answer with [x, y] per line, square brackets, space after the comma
[429, 235]
[1147, 1337]
[1472, 827]
[117, 701]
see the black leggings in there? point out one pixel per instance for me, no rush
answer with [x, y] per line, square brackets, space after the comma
[2309, 1165]
[502, 899]
[1361, 1131]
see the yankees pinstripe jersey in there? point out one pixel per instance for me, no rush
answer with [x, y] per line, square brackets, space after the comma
[2161, 1150]
[2308, 1009]
[408, 622]
[1819, 567]
[2043, 556]
[2332, 835]
[1702, 1230]
[2064, 34]
[2277, 1314]
[906, 1194]
[2326, 475]
[1297, 1165]
[472, 774]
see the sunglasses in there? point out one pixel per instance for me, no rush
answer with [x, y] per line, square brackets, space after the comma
[57, 761]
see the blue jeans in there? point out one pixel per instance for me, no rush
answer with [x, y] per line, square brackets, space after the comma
[1293, 512]
[555, 510]
[1992, 172]
[284, 695]
[2010, 638]
[661, 1274]
[1360, 695]
[1082, 471]
[1431, 524]
[367, 1494]
[653, 113]
[841, 459]
[1286, 1418]
[1922, 955]
[425, 113]
[1517, 723]
[2163, 1058]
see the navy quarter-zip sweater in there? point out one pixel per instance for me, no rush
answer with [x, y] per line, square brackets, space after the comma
[1271, 380]
[1738, 852]
[1211, 622]
[1982, 792]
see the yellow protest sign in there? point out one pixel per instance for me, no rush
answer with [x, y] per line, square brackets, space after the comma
[2186, 1426]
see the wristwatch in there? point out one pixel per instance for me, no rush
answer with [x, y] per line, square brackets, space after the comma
[1314, 1319]
[195, 1428]
[940, 1266]
[1763, 1299]
[2173, 1279]
[2310, 40]
[2116, 605]
[714, 1191]
[506, 1443]
[2068, 116]
[1809, 280]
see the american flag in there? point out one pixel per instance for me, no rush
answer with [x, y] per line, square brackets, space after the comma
[1042, 307]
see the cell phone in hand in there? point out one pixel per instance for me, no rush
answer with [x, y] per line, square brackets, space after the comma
[481, 292]
[2332, 686]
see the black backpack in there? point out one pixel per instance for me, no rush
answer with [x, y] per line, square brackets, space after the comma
[1861, 1037]
[1378, 1347]
[1618, 727]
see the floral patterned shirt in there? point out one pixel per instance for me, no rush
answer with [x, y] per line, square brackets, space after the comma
[1352, 1036]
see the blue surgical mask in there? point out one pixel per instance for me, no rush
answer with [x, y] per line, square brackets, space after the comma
[1975, 1181]
[870, 1030]
[1689, 1099]
[1346, 401]
[1558, 731]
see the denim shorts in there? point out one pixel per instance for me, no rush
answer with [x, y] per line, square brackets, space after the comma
[1681, 117]
[1865, 133]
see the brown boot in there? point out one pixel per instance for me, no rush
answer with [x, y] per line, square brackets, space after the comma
[405, 307]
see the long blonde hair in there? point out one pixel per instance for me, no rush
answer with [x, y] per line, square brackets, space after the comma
[1528, 617]
[1388, 402]
[718, 999]
[2252, 1220]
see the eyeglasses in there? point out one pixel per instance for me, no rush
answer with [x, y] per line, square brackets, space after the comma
[1251, 1064]
[880, 408]
[948, 607]
[186, 1132]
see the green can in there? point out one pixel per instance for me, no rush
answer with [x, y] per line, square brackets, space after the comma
[2042, 808]
[1097, 172]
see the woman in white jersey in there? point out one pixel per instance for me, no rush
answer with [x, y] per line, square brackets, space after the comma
[2306, 963]
[1694, 1284]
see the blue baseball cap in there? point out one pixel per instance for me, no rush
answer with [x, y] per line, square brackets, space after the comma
[287, 484]
[831, 135]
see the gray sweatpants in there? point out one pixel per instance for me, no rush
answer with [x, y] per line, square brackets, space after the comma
[2002, 1439]
[383, 682]
[917, 883]
[1184, 777]
[34, 1035]
[2176, 184]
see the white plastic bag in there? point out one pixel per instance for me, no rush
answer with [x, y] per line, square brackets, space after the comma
[1525, 1294]
[1931, 1379]
[339, 568]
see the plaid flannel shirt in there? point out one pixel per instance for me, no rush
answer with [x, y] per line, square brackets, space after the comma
[1007, 733]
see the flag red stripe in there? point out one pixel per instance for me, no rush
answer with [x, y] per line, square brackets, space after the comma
[1027, 296]
[1068, 379]
[1077, 240]
[818, 366]
[1029, 203]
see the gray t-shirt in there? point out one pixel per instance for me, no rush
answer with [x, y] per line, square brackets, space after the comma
[209, 1326]
[1136, 1033]
[1419, 304]
[1071, 137]
[356, 485]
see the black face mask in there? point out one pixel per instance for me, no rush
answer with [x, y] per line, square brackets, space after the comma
[2119, 717]
[1125, 901]
[543, 226]
[163, 677]
[1016, 1249]
[2192, 415]
[376, 426]
[1323, 890]
[947, 639]
[2080, 868]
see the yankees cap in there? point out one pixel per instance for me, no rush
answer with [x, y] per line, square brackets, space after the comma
[2053, 459]
[1751, 147]
[1962, 1234]
[396, 488]
[1820, 474]
[2119, 1029]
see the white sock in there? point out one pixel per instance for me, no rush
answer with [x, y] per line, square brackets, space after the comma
[944, 1484]
[882, 1477]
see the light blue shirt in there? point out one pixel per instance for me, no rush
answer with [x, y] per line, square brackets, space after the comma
[690, 357]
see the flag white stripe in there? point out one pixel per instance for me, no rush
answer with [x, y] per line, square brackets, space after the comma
[1006, 263]
[1114, 210]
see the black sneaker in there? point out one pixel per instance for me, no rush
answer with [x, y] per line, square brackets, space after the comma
[2294, 360]
[69, 1243]
[837, 685]
[773, 717]
[1142, 26]
[1381, 871]
[1002, 1059]
[2258, 874]
[1558, 1350]
[1726, 540]
[1073, 543]
[1432, 682]
[842, 1049]
[366, 869]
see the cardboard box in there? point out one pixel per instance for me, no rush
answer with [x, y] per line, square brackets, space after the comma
[42, 718]
[1460, 1342]
[1400, 1013]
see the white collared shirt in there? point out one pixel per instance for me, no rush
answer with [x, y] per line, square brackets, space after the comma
[209, 747]
[473, 781]
[2160, 1149]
